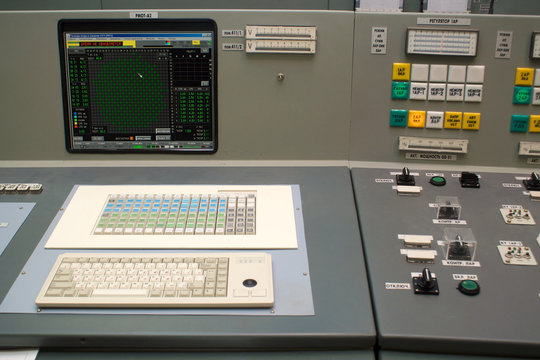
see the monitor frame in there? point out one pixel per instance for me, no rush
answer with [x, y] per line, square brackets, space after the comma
[135, 25]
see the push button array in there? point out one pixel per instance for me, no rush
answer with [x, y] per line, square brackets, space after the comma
[525, 123]
[435, 119]
[437, 82]
[527, 87]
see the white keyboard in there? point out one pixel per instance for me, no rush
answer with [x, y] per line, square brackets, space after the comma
[198, 217]
[159, 280]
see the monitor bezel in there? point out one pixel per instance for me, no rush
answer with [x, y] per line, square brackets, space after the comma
[112, 25]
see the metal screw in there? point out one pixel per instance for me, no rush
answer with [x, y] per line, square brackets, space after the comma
[280, 76]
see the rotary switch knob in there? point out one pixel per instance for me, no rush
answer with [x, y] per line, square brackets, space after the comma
[426, 283]
[405, 178]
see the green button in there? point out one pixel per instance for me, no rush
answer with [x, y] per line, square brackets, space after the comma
[469, 285]
[522, 95]
[398, 118]
[400, 90]
[519, 123]
[437, 181]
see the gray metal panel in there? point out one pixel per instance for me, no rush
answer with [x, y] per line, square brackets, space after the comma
[502, 320]
[175, 4]
[372, 138]
[50, 5]
[340, 4]
[216, 4]
[305, 116]
[393, 355]
[412, 5]
[300, 355]
[525, 7]
[341, 298]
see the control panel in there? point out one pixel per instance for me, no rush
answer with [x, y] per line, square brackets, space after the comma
[452, 258]
[446, 88]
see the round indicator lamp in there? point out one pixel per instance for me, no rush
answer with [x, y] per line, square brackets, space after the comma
[437, 181]
[469, 287]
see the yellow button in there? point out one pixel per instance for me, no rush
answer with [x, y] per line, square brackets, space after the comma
[417, 119]
[471, 121]
[452, 120]
[524, 76]
[534, 123]
[401, 71]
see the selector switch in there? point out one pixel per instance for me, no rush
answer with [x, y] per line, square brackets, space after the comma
[459, 250]
[426, 284]
[405, 178]
[533, 183]
[459, 244]
[469, 180]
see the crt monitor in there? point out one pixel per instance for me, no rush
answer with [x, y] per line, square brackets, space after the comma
[139, 85]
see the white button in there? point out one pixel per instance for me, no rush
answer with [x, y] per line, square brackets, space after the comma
[258, 293]
[473, 93]
[408, 190]
[437, 92]
[438, 72]
[241, 293]
[418, 91]
[454, 92]
[536, 96]
[434, 119]
[535, 195]
[537, 77]
[419, 72]
[475, 74]
[456, 73]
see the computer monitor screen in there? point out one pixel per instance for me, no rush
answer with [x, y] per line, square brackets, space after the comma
[139, 85]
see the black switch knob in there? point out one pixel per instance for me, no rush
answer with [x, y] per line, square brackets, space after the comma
[405, 178]
[469, 180]
[426, 283]
[533, 183]
[459, 250]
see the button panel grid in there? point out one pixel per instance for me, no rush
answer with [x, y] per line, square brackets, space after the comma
[221, 213]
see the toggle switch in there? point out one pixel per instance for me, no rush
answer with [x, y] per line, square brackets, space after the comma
[532, 183]
[426, 284]
[405, 178]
